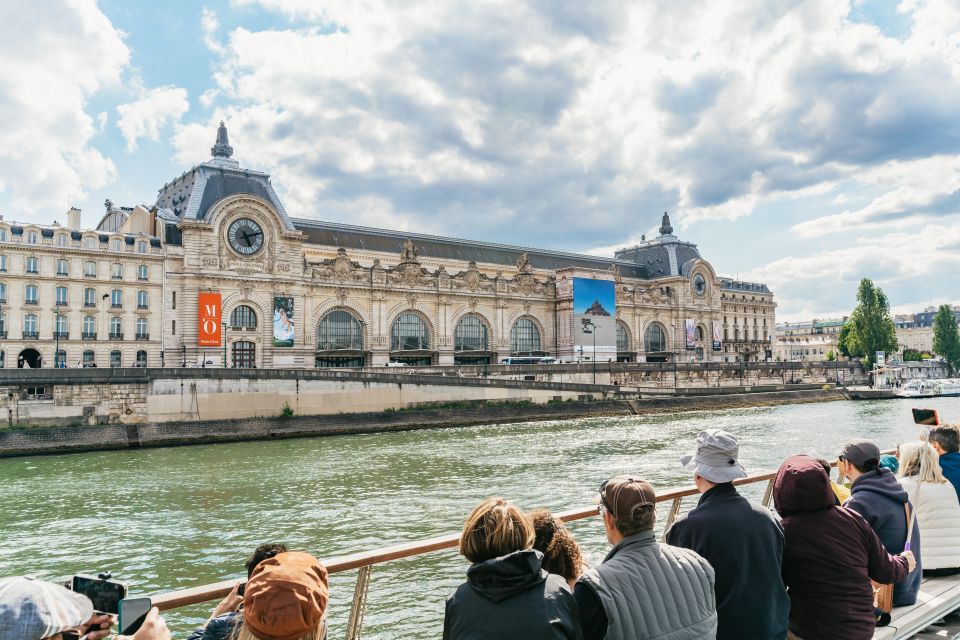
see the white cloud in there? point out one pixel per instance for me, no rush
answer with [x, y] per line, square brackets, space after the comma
[54, 56]
[156, 109]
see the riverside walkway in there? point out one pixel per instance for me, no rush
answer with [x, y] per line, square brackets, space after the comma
[937, 599]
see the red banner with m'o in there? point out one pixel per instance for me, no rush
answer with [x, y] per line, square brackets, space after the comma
[208, 320]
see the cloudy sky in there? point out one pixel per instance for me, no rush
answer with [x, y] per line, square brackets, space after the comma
[802, 144]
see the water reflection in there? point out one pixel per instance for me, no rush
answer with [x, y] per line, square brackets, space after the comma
[171, 518]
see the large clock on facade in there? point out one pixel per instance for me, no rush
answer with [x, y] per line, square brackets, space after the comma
[699, 285]
[245, 236]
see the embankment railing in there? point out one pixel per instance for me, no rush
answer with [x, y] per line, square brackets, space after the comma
[365, 561]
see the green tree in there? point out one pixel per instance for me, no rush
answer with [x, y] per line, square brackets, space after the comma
[846, 343]
[830, 356]
[871, 327]
[946, 341]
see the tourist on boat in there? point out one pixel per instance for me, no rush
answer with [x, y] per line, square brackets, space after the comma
[507, 593]
[938, 509]
[889, 461]
[227, 615]
[839, 490]
[285, 598]
[945, 438]
[33, 609]
[878, 497]
[643, 589]
[561, 553]
[743, 543]
[830, 554]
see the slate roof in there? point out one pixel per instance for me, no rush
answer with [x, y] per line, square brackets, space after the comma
[746, 287]
[332, 234]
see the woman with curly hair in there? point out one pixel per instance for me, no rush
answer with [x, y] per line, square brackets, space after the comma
[561, 553]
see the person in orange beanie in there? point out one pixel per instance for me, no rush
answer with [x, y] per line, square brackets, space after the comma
[286, 599]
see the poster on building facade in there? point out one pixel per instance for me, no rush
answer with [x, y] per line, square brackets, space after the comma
[208, 319]
[595, 318]
[691, 334]
[717, 336]
[283, 321]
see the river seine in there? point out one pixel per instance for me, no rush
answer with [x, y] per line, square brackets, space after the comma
[163, 519]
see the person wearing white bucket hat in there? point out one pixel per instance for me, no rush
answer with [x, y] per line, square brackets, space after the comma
[32, 609]
[743, 542]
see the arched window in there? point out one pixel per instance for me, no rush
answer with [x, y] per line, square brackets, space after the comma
[141, 247]
[115, 358]
[339, 330]
[63, 266]
[30, 294]
[60, 359]
[623, 338]
[409, 332]
[524, 336]
[470, 335]
[654, 339]
[243, 317]
[32, 264]
[698, 333]
[244, 355]
[143, 333]
[88, 358]
[89, 328]
[141, 359]
[89, 242]
[62, 240]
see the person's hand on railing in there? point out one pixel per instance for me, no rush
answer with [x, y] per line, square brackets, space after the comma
[153, 628]
[911, 560]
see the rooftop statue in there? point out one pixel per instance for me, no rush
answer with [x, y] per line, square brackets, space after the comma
[665, 228]
[222, 148]
[409, 251]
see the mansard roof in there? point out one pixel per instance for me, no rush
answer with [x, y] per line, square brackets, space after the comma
[333, 234]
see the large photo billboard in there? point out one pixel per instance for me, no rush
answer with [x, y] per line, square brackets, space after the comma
[717, 336]
[691, 334]
[283, 322]
[208, 319]
[595, 318]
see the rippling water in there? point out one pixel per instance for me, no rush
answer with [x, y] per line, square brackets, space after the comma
[178, 517]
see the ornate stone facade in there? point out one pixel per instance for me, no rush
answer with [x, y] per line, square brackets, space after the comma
[354, 296]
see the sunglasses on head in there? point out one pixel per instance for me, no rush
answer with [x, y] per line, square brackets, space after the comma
[603, 496]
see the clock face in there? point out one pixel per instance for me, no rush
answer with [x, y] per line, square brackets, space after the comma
[245, 236]
[699, 285]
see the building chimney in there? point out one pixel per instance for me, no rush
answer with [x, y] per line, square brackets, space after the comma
[73, 219]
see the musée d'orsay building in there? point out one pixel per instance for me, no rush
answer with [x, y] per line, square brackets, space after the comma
[218, 268]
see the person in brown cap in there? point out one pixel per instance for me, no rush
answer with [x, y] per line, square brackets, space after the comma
[643, 589]
[285, 599]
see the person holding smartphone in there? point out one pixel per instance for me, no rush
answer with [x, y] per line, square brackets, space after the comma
[227, 615]
[33, 609]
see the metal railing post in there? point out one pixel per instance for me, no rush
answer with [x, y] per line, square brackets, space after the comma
[359, 603]
[672, 516]
[767, 494]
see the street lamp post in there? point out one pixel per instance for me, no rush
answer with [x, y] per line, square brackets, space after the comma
[56, 336]
[224, 333]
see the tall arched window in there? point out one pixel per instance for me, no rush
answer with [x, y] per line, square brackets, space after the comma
[409, 333]
[339, 330]
[654, 339]
[524, 336]
[698, 333]
[623, 338]
[115, 358]
[141, 359]
[470, 335]
[88, 357]
[243, 317]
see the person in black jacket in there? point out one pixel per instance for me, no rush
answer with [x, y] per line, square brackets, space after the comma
[742, 541]
[507, 593]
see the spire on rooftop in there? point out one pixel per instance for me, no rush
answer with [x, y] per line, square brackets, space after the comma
[222, 148]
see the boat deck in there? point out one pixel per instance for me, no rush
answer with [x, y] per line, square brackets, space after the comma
[938, 601]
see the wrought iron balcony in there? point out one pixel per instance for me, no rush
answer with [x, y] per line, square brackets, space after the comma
[116, 336]
[142, 306]
[30, 335]
[61, 335]
[89, 335]
[116, 305]
[29, 302]
[143, 336]
[90, 304]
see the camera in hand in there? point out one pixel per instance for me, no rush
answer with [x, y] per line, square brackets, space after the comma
[240, 588]
[133, 611]
[926, 416]
[105, 593]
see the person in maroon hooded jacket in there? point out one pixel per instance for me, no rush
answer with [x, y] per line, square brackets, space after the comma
[830, 555]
